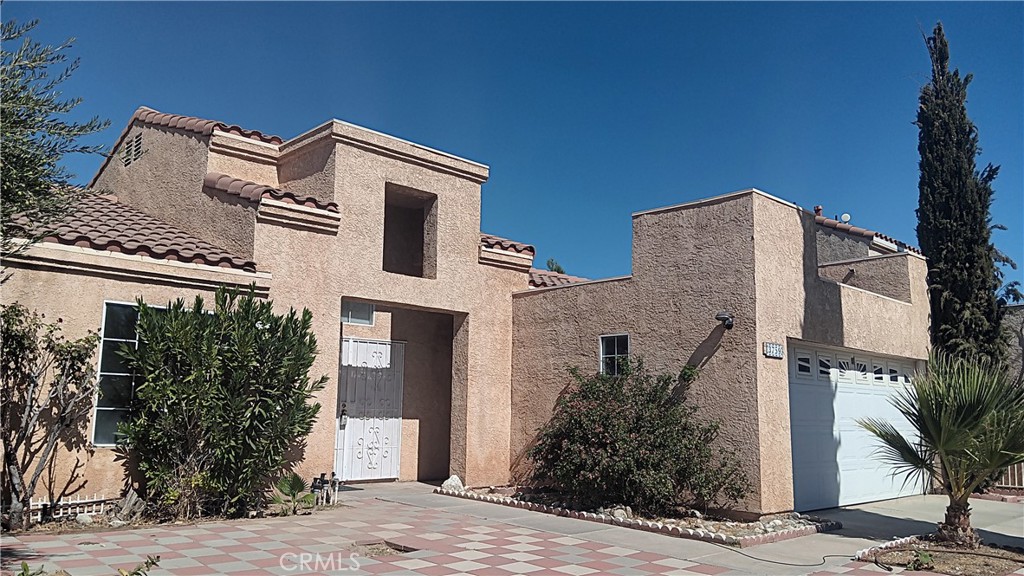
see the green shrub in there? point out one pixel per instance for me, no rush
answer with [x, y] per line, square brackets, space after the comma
[221, 398]
[634, 439]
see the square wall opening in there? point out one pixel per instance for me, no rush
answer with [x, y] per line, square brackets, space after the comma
[410, 231]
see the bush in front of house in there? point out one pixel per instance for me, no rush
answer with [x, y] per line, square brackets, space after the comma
[635, 439]
[221, 398]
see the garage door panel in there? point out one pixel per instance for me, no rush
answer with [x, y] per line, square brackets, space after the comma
[834, 459]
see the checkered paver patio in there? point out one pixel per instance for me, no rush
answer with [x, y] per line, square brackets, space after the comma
[440, 542]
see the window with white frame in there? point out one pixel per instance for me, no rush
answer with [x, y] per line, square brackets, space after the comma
[357, 313]
[117, 384]
[614, 350]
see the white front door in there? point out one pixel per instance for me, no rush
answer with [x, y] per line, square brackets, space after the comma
[367, 446]
[834, 460]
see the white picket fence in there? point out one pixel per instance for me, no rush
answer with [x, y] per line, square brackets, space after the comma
[71, 506]
[1013, 477]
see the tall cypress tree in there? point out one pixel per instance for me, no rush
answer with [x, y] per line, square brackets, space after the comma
[954, 222]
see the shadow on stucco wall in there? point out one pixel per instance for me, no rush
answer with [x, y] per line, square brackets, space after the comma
[706, 349]
[427, 389]
[822, 323]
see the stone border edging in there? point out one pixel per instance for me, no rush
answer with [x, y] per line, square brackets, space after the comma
[865, 555]
[647, 525]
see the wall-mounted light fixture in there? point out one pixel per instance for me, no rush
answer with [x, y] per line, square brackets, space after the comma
[725, 317]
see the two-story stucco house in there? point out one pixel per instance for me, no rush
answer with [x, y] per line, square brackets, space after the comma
[445, 349]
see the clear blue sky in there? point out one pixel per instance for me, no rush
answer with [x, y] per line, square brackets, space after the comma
[584, 112]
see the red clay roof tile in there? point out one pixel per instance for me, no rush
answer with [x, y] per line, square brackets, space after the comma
[489, 241]
[547, 279]
[101, 223]
[254, 192]
[857, 231]
[203, 127]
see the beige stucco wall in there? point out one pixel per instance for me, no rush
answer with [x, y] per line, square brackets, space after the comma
[688, 263]
[752, 255]
[794, 302]
[319, 270]
[318, 258]
[166, 182]
[72, 284]
[888, 275]
[243, 158]
[307, 165]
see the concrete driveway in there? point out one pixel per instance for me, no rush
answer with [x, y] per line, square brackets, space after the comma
[455, 536]
[997, 522]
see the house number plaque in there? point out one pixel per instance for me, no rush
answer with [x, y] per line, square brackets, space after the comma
[772, 350]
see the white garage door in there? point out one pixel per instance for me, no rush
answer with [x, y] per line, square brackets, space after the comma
[833, 460]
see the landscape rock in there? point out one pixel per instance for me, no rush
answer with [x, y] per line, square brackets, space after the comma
[620, 514]
[84, 519]
[453, 483]
[118, 523]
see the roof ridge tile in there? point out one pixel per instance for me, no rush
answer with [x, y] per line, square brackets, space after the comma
[254, 192]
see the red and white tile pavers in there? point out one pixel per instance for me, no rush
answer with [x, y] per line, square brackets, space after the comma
[439, 542]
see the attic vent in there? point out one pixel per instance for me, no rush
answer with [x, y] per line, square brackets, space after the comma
[132, 150]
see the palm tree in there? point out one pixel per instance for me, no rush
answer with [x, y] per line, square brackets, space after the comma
[290, 488]
[969, 418]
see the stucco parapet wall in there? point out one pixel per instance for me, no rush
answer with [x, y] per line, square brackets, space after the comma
[534, 291]
[390, 146]
[716, 200]
[877, 239]
[297, 216]
[245, 148]
[81, 261]
[521, 262]
[886, 274]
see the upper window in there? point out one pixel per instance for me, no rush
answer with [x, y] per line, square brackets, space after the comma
[410, 232]
[357, 313]
[117, 385]
[614, 350]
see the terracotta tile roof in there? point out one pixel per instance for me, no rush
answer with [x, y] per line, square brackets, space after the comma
[101, 223]
[201, 126]
[857, 231]
[254, 192]
[146, 115]
[489, 241]
[547, 279]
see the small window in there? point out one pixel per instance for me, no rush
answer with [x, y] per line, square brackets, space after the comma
[845, 365]
[357, 313]
[117, 384]
[614, 350]
[824, 367]
[131, 150]
[803, 364]
[879, 371]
